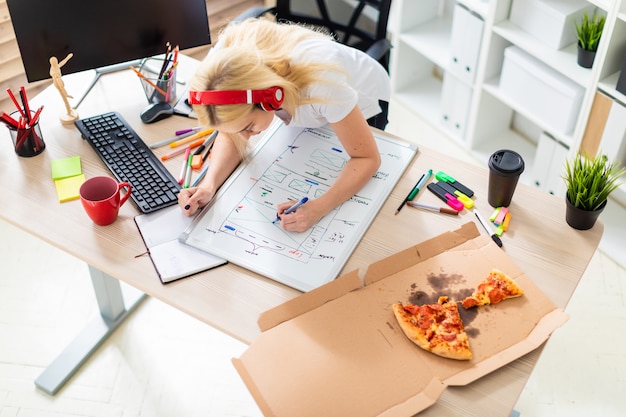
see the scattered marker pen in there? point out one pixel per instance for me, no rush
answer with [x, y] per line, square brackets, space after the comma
[488, 229]
[183, 170]
[433, 208]
[415, 189]
[188, 172]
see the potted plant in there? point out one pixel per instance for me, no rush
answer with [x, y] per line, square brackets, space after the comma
[589, 31]
[589, 182]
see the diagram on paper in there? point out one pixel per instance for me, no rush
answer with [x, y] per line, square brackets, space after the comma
[303, 169]
[291, 164]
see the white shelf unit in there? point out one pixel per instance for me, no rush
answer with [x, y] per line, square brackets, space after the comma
[421, 60]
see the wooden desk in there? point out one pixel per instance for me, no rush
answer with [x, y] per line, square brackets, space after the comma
[231, 298]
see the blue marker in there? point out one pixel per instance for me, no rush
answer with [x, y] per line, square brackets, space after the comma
[292, 208]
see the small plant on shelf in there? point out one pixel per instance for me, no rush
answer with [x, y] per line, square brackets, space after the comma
[589, 31]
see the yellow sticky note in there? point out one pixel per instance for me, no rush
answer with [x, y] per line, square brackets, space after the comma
[67, 188]
[66, 167]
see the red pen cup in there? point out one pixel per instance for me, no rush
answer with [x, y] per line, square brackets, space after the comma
[27, 140]
[101, 198]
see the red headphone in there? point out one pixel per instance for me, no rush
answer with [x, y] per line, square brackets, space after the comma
[269, 99]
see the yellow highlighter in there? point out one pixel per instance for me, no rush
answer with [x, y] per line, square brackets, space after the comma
[191, 138]
[467, 202]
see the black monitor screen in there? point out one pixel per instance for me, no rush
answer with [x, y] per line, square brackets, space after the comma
[103, 32]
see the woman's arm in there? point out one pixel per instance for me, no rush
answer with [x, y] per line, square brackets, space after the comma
[224, 159]
[358, 140]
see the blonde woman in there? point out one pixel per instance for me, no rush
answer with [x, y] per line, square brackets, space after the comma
[260, 69]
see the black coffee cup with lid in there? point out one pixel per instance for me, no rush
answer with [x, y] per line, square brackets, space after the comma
[505, 168]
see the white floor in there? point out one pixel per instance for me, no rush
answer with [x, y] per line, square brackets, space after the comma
[161, 362]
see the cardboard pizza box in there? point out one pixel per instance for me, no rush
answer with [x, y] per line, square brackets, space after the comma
[338, 350]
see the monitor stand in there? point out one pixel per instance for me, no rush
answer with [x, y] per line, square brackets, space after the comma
[105, 70]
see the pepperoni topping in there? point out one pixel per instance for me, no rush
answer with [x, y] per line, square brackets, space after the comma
[448, 337]
[496, 295]
[411, 309]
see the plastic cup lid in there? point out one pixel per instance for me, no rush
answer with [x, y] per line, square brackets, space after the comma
[507, 162]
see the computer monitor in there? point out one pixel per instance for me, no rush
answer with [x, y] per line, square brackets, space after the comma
[101, 33]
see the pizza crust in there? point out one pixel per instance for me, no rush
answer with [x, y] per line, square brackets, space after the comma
[436, 328]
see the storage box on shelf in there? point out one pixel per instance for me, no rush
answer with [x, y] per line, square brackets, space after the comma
[550, 21]
[540, 91]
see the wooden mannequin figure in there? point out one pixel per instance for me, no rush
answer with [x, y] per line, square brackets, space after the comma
[55, 73]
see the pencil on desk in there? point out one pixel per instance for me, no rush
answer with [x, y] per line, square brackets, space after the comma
[182, 150]
[153, 85]
[200, 176]
[172, 139]
[14, 100]
[9, 121]
[433, 208]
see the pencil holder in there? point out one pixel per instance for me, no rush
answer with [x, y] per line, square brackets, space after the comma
[158, 80]
[28, 140]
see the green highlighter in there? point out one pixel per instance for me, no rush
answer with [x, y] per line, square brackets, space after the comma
[442, 176]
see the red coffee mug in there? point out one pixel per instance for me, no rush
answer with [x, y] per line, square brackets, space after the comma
[102, 200]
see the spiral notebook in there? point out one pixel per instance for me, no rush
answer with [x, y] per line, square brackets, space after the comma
[171, 258]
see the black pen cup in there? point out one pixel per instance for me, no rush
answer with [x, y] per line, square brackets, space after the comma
[505, 168]
[158, 80]
[27, 141]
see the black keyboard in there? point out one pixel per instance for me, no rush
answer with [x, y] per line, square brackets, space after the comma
[130, 160]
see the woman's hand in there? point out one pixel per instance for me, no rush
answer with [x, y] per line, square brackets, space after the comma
[300, 220]
[192, 199]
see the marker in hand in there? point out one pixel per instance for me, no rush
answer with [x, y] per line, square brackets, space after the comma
[291, 209]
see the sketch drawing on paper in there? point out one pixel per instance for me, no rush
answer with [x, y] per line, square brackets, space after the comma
[293, 164]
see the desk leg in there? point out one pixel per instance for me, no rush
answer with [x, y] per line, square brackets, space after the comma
[115, 305]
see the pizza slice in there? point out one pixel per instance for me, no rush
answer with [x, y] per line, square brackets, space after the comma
[436, 328]
[495, 288]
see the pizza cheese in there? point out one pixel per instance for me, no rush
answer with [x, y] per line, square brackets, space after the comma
[436, 328]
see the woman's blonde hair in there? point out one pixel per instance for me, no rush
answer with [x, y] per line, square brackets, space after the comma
[255, 54]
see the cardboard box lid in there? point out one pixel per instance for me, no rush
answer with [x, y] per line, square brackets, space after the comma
[338, 350]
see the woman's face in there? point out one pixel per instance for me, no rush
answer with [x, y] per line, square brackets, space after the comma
[248, 126]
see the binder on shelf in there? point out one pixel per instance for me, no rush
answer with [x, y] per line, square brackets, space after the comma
[455, 104]
[621, 81]
[465, 40]
[549, 165]
[555, 184]
[613, 142]
[543, 159]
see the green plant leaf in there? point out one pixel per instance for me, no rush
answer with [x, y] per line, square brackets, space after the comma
[589, 31]
[590, 180]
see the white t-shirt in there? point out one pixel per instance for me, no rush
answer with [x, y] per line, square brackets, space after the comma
[365, 82]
